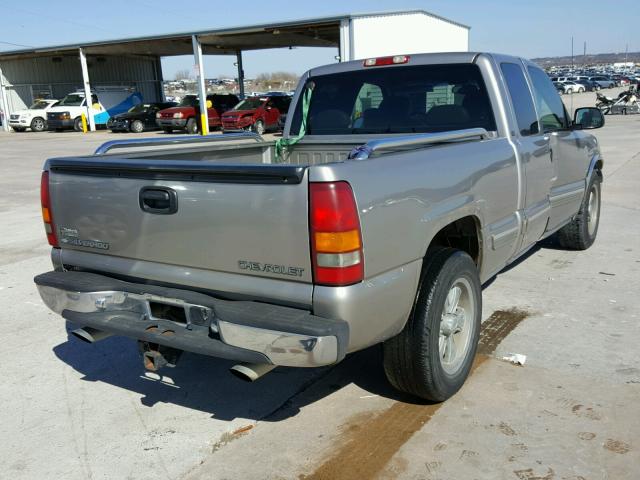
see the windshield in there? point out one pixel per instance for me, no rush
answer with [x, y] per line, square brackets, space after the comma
[71, 100]
[39, 105]
[250, 103]
[141, 108]
[189, 101]
[429, 98]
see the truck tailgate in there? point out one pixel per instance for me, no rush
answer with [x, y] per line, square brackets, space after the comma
[247, 219]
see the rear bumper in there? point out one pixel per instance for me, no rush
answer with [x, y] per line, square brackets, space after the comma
[236, 330]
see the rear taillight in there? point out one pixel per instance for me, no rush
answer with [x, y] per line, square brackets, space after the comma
[336, 240]
[47, 216]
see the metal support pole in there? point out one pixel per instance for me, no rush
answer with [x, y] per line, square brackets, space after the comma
[202, 92]
[240, 73]
[346, 39]
[4, 104]
[87, 90]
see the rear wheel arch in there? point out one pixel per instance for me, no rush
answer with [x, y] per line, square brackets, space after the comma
[462, 234]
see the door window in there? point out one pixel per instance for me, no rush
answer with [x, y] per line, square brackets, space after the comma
[521, 99]
[550, 108]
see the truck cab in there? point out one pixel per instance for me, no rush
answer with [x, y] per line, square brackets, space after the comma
[105, 102]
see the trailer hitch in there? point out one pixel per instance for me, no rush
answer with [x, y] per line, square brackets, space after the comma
[155, 356]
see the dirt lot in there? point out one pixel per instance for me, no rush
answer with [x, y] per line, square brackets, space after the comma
[78, 411]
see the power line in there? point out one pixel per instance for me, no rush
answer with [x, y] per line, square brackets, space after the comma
[16, 44]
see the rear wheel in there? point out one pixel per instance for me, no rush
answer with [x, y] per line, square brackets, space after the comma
[192, 126]
[136, 126]
[581, 232]
[432, 356]
[38, 125]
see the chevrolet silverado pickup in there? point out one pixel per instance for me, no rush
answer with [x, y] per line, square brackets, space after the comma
[401, 185]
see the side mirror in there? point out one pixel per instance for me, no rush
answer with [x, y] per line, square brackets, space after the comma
[588, 118]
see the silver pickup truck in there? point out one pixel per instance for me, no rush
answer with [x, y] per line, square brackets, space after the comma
[401, 185]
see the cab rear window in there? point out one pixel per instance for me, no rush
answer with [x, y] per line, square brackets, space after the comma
[408, 99]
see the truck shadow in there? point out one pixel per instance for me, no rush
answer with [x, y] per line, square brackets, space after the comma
[204, 383]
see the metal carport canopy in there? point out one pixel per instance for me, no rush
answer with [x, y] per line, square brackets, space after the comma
[331, 31]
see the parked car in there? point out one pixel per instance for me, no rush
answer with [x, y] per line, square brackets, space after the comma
[590, 85]
[402, 187]
[186, 115]
[573, 87]
[139, 118]
[603, 81]
[105, 102]
[34, 117]
[258, 114]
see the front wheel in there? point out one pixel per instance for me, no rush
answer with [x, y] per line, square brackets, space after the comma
[580, 233]
[137, 126]
[77, 124]
[192, 126]
[258, 127]
[581, 90]
[432, 356]
[38, 125]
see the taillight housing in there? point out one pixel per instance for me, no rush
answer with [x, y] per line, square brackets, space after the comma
[383, 61]
[47, 216]
[336, 238]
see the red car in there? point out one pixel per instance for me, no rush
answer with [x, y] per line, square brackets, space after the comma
[186, 116]
[259, 114]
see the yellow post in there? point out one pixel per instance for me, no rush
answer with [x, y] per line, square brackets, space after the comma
[84, 123]
[204, 124]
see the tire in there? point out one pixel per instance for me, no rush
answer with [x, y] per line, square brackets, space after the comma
[581, 232]
[581, 90]
[77, 124]
[136, 126]
[192, 126]
[167, 130]
[414, 360]
[38, 125]
[258, 127]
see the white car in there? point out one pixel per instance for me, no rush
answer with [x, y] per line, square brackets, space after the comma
[35, 117]
[573, 87]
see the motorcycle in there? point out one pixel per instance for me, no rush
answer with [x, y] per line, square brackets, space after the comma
[604, 103]
[625, 103]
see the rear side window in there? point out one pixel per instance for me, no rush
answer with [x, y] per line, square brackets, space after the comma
[521, 99]
[550, 108]
[407, 99]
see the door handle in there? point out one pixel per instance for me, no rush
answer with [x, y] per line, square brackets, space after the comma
[158, 200]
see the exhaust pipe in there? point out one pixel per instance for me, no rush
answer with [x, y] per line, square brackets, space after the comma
[250, 372]
[90, 335]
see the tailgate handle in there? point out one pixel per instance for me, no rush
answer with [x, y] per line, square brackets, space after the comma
[159, 200]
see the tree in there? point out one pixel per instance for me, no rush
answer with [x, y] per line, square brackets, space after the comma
[183, 75]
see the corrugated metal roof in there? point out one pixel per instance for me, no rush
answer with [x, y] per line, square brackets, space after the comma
[321, 32]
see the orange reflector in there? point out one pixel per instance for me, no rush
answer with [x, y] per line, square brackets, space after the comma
[337, 242]
[46, 216]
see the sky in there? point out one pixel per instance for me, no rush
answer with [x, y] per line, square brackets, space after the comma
[529, 29]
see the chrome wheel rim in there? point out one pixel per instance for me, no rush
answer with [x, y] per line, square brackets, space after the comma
[259, 128]
[456, 324]
[593, 210]
[38, 124]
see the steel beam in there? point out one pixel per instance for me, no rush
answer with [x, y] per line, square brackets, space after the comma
[346, 41]
[4, 104]
[240, 73]
[87, 90]
[202, 91]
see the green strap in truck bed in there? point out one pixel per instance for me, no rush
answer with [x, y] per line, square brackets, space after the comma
[283, 143]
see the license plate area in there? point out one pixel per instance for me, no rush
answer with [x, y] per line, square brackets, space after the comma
[178, 312]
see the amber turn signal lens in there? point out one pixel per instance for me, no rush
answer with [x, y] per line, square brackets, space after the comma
[337, 242]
